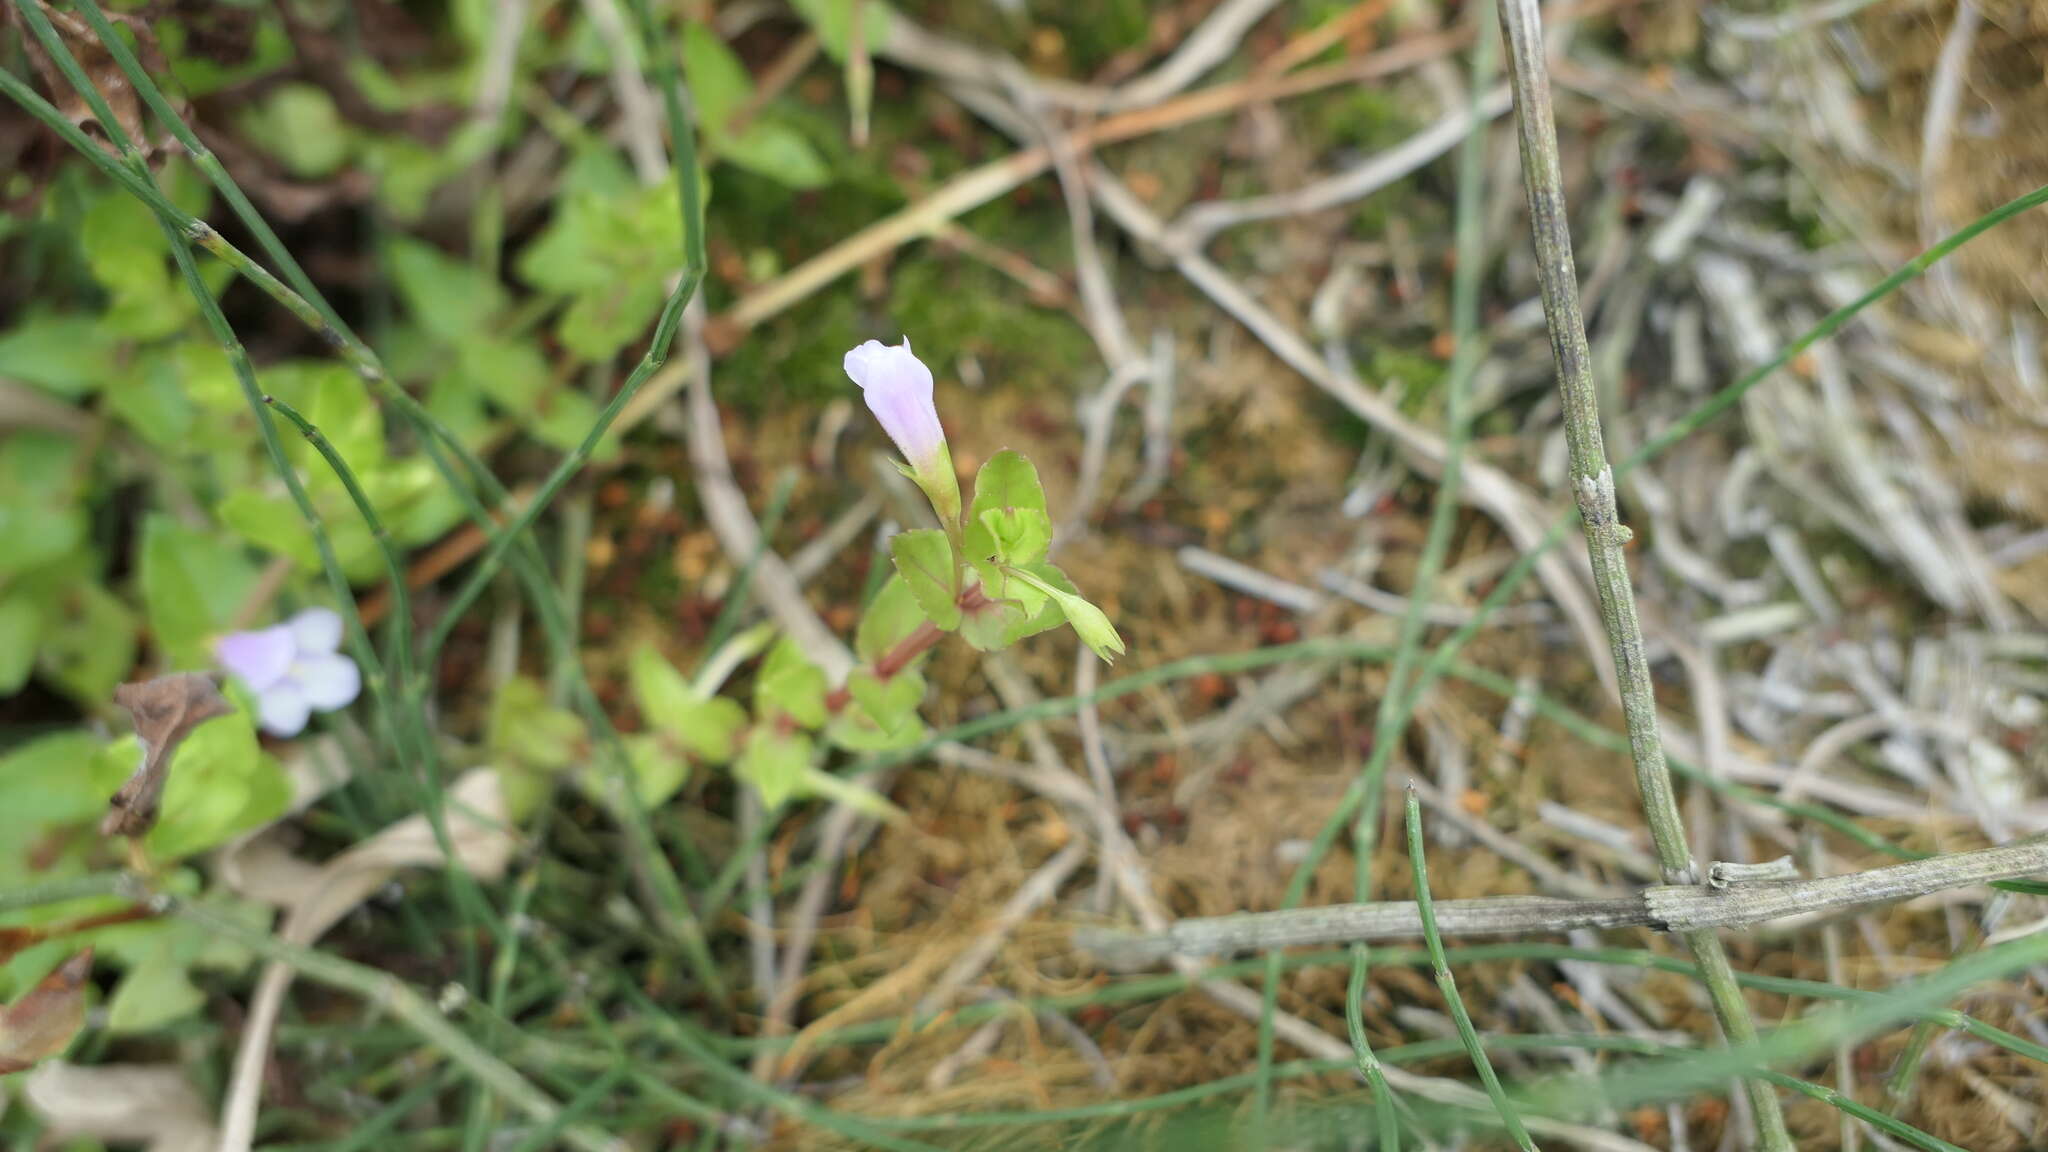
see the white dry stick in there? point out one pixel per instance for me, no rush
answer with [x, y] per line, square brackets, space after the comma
[1087, 673]
[760, 906]
[1937, 131]
[1520, 515]
[1679, 908]
[636, 102]
[1196, 225]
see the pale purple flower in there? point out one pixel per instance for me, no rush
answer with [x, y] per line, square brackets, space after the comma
[898, 389]
[294, 669]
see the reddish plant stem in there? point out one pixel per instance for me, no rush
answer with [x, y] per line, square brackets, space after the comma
[899, 656]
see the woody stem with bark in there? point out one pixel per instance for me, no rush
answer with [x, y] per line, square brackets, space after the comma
[1592, 483]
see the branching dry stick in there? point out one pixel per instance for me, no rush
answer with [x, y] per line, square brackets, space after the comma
[1593, 486]
[1683, 908]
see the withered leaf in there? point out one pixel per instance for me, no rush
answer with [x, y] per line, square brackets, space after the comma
[99, 67]
[39, 1025]
[165, 711]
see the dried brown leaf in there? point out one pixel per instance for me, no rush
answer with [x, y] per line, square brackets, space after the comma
[100, 68]
[165, 711]
[39, 1025]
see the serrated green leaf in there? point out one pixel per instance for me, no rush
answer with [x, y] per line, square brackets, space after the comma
[892, 616]
[1008, 480]
[1008, 515]
[1016, 536]
[791, 686]
[924, 559]
[774, 764]
[1088, 621]
[192, 584]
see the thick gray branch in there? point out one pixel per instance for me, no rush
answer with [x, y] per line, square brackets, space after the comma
[1666, 908]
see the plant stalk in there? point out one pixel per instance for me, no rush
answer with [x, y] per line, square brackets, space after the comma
[1592, 481]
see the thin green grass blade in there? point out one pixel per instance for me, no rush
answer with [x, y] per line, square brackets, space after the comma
[1448, 985]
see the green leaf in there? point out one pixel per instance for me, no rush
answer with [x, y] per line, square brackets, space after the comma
[779, 152]
[1046, 615]
[892, 616]
[989, 626]
[125, 249]
[513, 373]
[299, 124]
[192, 584]
[60, 352]
[452, 299]
[527, 730]
[1015, 535]
[90, 645]
[775, 763]
[150, 402]
[924, 559]
[658, 773]
[708, 729]
[791, 686]
[1008, 480]
[50, 784]
[220, 784]
[154, 993]
[21, 621]
[833, 21]
[892, 703]
[719, 84]
[600, 322]
[1087, 620]
[271, 523]
[1007, 522]
[40, 520]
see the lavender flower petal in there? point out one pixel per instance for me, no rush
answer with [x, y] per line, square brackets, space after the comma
[327, 682]
[316, 630]
[282, 711]
[258, 659]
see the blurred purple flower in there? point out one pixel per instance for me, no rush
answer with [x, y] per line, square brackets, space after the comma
[294, 669]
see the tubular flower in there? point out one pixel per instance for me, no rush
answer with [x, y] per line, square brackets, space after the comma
[294, 669]
[898, 390]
